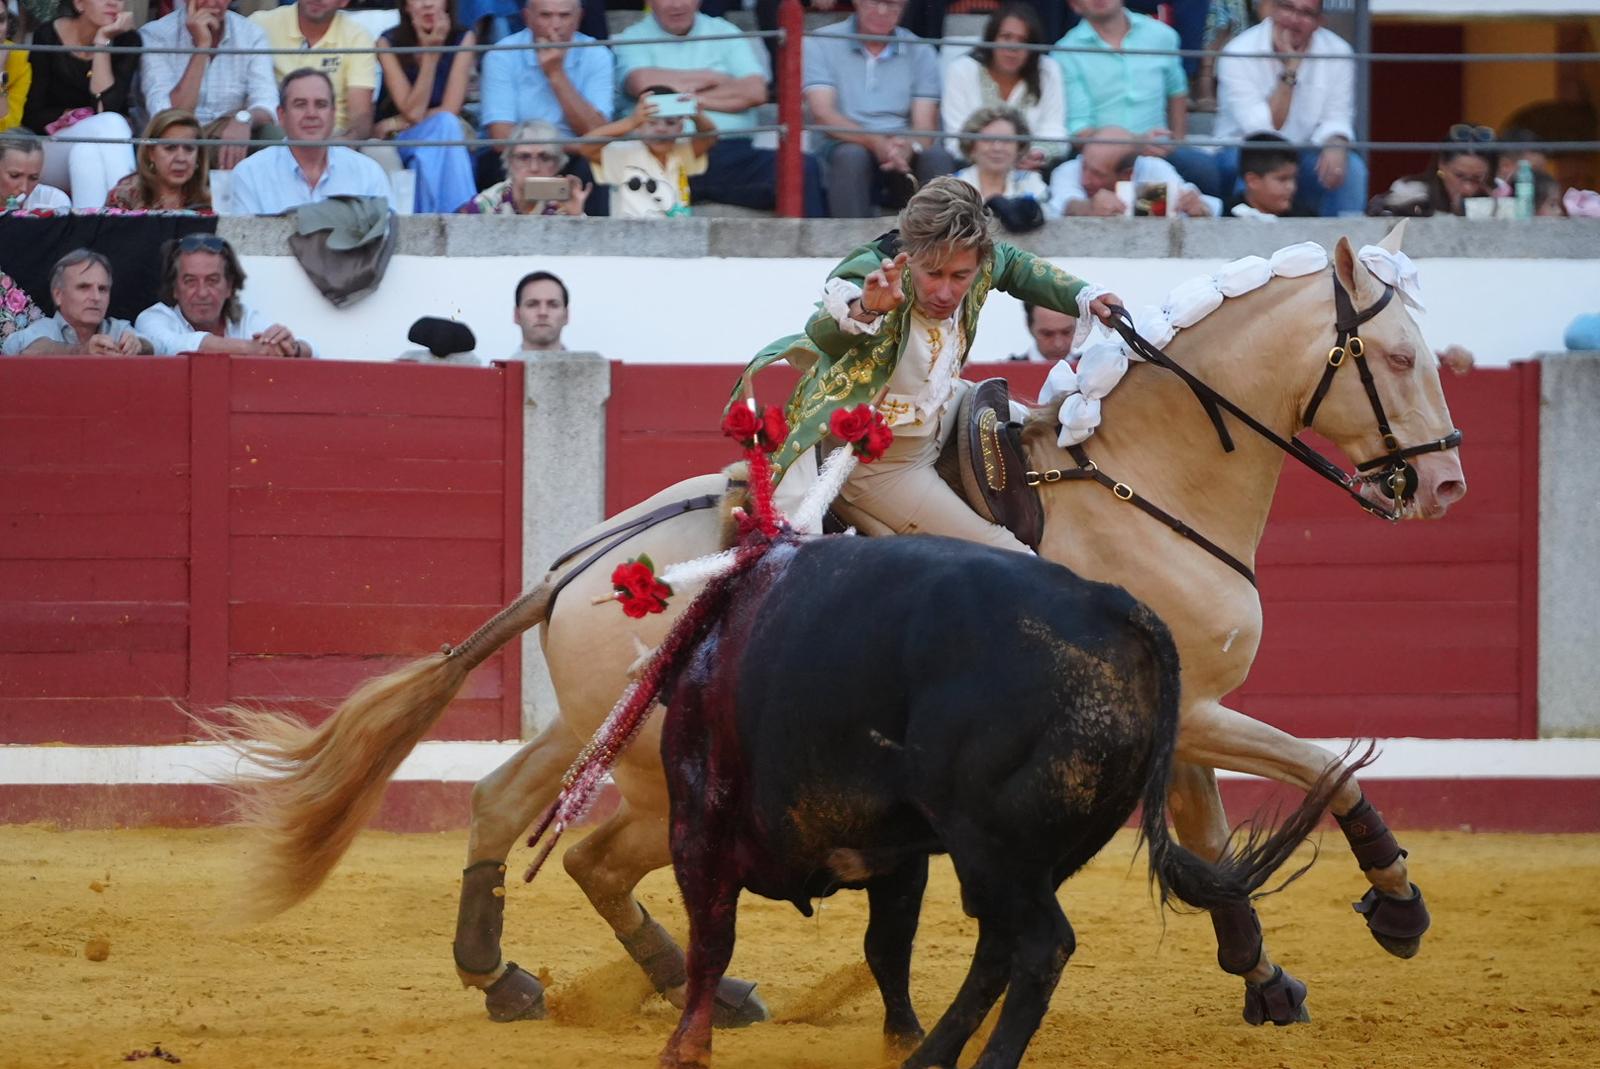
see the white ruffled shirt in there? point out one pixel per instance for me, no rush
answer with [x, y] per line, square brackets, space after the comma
[923, 382]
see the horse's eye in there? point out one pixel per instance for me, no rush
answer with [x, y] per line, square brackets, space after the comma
[1402, 360]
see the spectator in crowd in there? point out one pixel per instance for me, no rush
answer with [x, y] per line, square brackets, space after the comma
[650, 175]
[1537, 158]
[1145, 94]
[877, 90]
[16, 74]
[1087, 184]
[993, 74]
[422, 98]
[541, 312]
[573, 89]
[1305, 92]
[80, 286]
[199, 311]
[1052, 335]
[17, 309]
[729, 78]
[234, 96]
[1547, 201]
[533, 153]
[85, 99]
[21, 164]
[1463, 171]
[170, 176]
[281, 177]
[997, 169]
[1270, 170]
[322, 26]
[1190, 19]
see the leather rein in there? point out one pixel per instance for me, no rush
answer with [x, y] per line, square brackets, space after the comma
[1391, 470]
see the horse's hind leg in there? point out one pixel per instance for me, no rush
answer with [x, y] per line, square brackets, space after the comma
[608, 865]
[504, 803]
[895, 906]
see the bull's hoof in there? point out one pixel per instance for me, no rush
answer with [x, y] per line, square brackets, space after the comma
[1398, 924]
[1280, 999]
[738, 1005]
[900, 1042]
[516, 996]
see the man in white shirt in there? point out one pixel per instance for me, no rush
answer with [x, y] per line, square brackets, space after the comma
[1087, 184]
[281, 177]
[1052, 333]
[1305, 92]
[199, 308]
[541, 312]
[234, 96]
[80, 286]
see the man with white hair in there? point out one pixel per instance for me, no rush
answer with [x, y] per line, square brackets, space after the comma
[80, 286]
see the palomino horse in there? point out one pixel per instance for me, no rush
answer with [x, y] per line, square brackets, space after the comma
[1267, 351]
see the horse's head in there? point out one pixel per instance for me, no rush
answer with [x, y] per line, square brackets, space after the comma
[1417, 458]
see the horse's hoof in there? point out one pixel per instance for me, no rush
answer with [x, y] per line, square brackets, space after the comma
[738, 1005]
[1280, 999]
[516, 996]
[1397, 924]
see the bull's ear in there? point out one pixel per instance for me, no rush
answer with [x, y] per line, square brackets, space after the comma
[1362, 285]
[1391, 240]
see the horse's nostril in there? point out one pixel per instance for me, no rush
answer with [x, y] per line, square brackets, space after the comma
[1452, 490]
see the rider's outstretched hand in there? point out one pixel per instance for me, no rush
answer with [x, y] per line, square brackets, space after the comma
[882, 293]
[1101, 306]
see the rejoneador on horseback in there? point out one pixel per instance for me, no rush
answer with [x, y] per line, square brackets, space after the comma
[894, 325]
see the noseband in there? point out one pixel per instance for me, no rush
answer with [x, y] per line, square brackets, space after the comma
[1391, 471]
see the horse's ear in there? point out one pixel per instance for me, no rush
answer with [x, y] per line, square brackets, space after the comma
[1360, 283]
[1391, 240]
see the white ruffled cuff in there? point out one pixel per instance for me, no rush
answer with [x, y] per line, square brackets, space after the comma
[1086, 319]
[836, 297]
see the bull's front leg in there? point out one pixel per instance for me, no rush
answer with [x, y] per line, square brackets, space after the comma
[1214, 736]
[895, 906]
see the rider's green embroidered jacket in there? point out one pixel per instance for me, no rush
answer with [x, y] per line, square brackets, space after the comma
[843, 370]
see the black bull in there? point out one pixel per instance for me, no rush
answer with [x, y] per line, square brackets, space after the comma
[866, 702]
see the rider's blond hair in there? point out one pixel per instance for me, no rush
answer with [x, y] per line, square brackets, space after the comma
[945, 215]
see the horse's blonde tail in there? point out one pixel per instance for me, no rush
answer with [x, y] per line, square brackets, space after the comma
[312, 789]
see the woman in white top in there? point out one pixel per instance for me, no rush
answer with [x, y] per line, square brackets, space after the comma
[997, 169]
[993, 75]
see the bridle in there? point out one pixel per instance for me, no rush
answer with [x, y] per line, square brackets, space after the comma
[1391, 471]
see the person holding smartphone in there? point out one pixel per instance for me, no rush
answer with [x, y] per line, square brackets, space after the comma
[534, 184]
[648, 168]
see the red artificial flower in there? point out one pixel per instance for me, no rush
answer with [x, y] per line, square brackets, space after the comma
[774, 429]
[851, 424]
[637, 587]
[878, 439]
[742, 425]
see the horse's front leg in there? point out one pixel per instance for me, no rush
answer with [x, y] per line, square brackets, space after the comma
[1214, 736]
[1271, 994]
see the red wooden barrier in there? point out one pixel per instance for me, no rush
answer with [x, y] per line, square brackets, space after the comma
[177, 533]
[1417, 629]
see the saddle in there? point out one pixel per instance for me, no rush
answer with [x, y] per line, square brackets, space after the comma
[982, 462]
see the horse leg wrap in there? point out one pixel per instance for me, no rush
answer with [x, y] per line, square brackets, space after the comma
[1370, 839]
[480, 917]
[1280, 999]
[655, 951]
[1397, 924]
[1238, 937]
[516, 996]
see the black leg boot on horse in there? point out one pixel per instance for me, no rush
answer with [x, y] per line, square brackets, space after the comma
[513, 994]
[1397, 922]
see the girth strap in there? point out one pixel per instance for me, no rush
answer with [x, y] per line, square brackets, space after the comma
[614, 537]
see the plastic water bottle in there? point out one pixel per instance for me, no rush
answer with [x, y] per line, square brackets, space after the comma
[1524, 189]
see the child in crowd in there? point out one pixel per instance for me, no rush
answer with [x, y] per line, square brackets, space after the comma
[649, 174]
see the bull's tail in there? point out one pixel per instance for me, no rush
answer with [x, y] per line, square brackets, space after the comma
[311, 789]
[1247, 865]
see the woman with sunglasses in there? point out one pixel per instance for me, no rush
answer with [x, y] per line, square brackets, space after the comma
[172, 174]
[533, 153]
[1465, 169]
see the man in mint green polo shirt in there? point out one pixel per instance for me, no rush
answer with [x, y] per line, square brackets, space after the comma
[730, 80]
[1148, 95]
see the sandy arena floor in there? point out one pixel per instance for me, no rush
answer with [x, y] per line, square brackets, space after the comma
[1508, 977]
